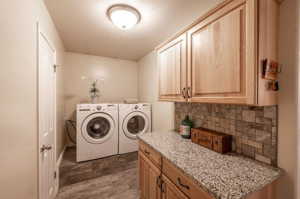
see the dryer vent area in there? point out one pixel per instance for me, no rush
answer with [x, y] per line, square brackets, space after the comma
[98, 178]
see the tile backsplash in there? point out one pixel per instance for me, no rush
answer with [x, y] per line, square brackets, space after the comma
[254, 129]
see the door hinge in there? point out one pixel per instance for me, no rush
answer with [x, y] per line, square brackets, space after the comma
[54, 67]
[55, 174]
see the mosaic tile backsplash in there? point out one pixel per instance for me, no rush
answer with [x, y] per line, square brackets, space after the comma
[254, 129]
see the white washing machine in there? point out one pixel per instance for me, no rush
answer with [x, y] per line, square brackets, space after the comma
[97, 131]
[134, 119]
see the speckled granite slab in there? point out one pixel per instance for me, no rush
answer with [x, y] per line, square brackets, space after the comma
[223, 176]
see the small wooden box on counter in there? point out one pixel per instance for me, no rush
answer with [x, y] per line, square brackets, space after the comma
[218, 142]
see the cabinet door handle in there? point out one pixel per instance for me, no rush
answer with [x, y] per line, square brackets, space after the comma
[163, 186]
[183, 185]
[183, 92]
[147, 152]
[188, 92]
[158, 182]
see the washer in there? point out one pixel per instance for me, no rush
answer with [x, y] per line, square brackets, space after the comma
[134, 120]
[97, 131]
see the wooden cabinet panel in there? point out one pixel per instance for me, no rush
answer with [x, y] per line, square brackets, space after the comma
[148, 179]
[143, 177]
[217, 56]
[154, 187]
[172, 70]
[151, 154]
[266, 193]
[268, 47]
[170, 191]
[183, 183]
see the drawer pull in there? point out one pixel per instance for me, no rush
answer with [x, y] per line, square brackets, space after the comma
[159, 182]
[147, 152]
[183, 185]
[163, 187]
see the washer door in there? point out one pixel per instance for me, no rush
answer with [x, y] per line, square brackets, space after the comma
[134, 124]
[97, 128]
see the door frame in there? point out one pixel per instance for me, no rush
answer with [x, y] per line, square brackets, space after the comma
[41, 32]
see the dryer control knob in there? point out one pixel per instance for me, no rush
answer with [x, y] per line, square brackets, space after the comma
[99, 108]
[136, 107]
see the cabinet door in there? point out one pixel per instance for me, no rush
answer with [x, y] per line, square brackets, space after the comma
[170, 191]
[149, 176]
[222, 54]
[143, 177]
[172, 70]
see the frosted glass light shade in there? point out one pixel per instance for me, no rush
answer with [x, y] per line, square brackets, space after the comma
[123, 16]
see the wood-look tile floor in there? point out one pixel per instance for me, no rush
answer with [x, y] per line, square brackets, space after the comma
[108, 178]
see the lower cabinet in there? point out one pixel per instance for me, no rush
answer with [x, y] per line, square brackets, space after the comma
[149, 179]
[160, 179]
[154, 185]
[170, 191]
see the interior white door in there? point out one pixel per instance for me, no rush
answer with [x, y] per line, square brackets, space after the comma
[46, 100]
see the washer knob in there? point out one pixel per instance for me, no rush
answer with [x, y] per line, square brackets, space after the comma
[136, 107]
[99, 108]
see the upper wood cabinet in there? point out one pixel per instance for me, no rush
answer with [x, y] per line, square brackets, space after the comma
[219, 67]
[172, 69]
[224, 52]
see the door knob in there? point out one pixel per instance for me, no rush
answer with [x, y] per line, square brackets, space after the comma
[45, 148]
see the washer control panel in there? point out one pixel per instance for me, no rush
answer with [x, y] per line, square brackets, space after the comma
[141, 107]
[96, 107]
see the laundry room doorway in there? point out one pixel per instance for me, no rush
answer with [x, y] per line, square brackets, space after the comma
[46, 117]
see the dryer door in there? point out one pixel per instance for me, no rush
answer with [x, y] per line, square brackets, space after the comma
[134, 124]
[98, 128]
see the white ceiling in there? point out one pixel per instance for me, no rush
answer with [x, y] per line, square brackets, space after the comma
[84, 27]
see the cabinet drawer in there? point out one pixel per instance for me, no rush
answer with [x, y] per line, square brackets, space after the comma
[184, 183]
[153, 155]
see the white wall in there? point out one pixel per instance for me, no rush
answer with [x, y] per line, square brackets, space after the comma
[120, 79]
[287, 118]
[162, 112]
[18, 101]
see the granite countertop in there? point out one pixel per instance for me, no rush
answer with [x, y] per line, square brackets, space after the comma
[222, 176]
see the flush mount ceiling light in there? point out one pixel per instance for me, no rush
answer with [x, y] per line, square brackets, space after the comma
[124, 16]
